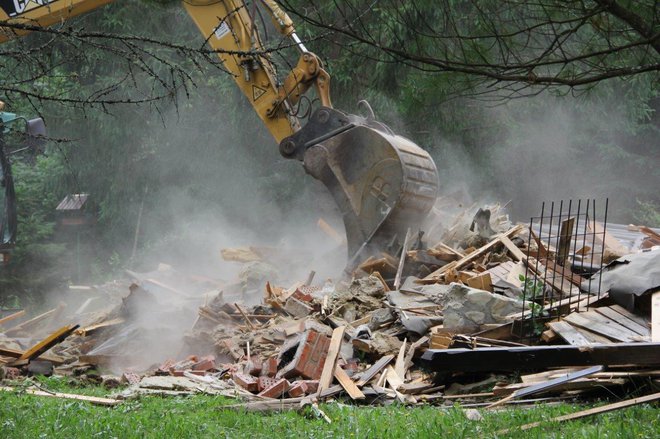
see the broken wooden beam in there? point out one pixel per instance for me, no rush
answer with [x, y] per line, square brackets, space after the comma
[15, 353]
[589, 412]
[33, 321]
[541, 357]
[547, 385]
[475, 254]
[11, 317]
[348, 384]
[92, 399]
[47, 343]
[379, 365]
[331, 358]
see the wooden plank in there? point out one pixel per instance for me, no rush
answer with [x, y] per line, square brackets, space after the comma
[589, 383]
[393, 378]
[475, 254]
[517, 254]
[31, 322]
[11, 317]
[569, 333]
[597, 317]
[47, 343]
[593, 337]
[87, 330]
[400, 364]
[623, 321]
[610, 330]
[589, 412]
[525, 358]
[402, 260]
[368, 374]
[481, 282]
[93, 399]
[542, 251]
[634, 317]
[330, 231]
[331, 358]
[348, 384]
[15, 353]
[547, 385]
[655, 317]
[609, 241]
[567, 227]
[546, 375]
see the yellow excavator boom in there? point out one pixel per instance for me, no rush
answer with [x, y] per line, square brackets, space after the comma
[383, 183]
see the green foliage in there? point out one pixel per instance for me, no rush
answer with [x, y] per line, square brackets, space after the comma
[33, 263]
[648, 214]
[532, 297]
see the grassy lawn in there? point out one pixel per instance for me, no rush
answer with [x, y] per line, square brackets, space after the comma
[26, 416]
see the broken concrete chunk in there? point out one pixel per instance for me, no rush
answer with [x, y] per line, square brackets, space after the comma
[168, 383]
[380, 345]
[419, 324]
[465, 308]
[297, 308]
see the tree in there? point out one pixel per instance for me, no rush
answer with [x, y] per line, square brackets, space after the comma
[510, 45]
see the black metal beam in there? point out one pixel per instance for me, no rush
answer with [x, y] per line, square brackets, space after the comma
[539, 357]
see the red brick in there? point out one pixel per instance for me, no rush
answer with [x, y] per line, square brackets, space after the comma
[265, 382]
[131, 378]
[246, 381]
[309, 357]
[166, 366]
[303, 297]
[351, 367]
[269, 368]
[254, 366]
[276, 389]
[312, 386]
[298, 389]
[12, 373]
[206, 363]
[303, 387]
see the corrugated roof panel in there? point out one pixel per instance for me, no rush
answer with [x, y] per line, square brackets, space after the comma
[72, 202]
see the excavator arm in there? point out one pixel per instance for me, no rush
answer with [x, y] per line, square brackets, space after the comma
[383, 183]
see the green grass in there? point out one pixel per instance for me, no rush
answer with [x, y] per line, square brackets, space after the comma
[27, 416]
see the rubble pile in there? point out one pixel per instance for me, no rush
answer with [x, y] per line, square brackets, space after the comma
[487, 314]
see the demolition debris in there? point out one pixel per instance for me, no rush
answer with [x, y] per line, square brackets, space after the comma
[479, 311]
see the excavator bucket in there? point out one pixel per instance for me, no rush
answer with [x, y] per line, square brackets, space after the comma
[383, 183]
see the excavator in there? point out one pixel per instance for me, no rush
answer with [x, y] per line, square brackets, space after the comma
[383, 183]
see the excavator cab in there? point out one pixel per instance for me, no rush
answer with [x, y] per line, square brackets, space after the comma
[32, 139]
